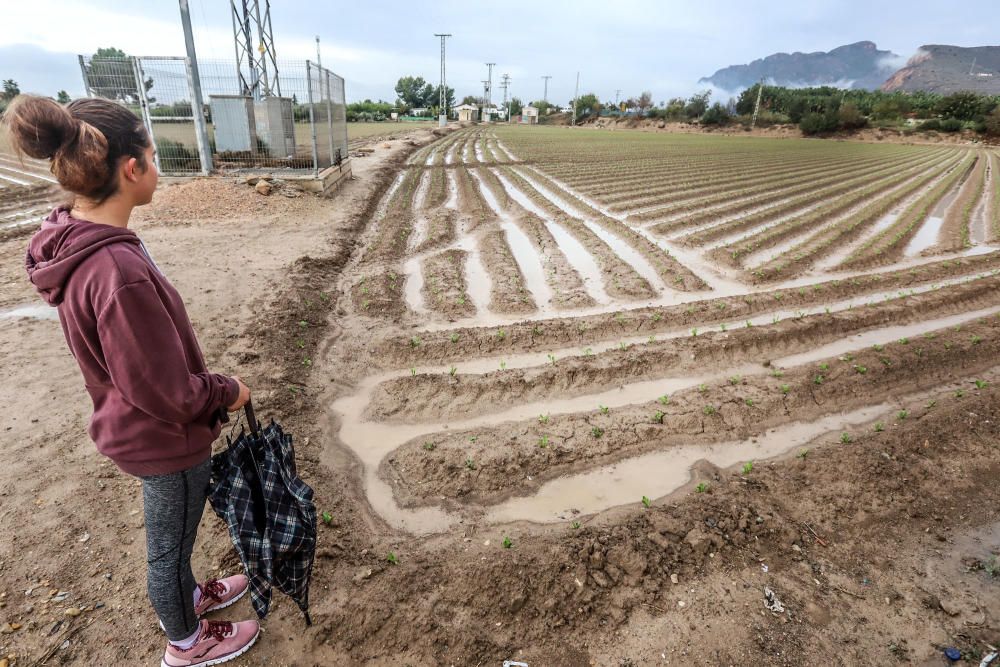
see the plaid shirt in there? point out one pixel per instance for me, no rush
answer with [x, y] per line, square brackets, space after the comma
[270, 513]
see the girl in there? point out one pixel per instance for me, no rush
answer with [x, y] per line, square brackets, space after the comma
[156, 406]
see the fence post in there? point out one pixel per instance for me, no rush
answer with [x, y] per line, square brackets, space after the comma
[194, 84]
[86, 79]
[312, 117]
[329, 111]
[144, 105]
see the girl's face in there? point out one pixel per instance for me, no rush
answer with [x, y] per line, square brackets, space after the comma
[145, 181]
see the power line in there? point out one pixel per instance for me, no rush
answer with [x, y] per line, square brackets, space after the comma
[260, 63]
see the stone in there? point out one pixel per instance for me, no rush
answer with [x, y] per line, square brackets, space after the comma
[674, 579]
[699, 540]
[72, 611]
[263, 188]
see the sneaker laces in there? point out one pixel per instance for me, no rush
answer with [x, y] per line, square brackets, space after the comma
[214, 589]
[218, 630]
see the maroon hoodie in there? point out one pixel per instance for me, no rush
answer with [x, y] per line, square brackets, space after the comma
[156, 407]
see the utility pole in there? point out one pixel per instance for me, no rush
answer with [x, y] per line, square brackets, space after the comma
[576, 94]
[489, 86]
[319, 61]
[194, 83]
[756, 106]
[443, 93]
[545, 95]
[485, 88]
[504, 83]
[617, 94]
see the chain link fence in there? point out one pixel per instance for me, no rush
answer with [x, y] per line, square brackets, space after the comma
[302, 130]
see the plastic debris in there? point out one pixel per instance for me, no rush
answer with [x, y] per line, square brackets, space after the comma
[511, 663]
[772, 602]
[952, 653]
[989, 659]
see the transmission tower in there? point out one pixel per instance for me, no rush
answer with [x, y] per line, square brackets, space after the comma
[756, 106]
[443, 93]
[505, 83]
[545, 95]
[489, 85]
[256, 66]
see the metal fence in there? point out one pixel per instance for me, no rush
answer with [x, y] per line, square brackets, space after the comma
[303, 129]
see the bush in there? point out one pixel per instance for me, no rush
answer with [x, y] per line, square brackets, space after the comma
[849, 118]
[715, 115]
[951, 125]
[175, 156]
[992, 122]
[931, 125]
[818, 123]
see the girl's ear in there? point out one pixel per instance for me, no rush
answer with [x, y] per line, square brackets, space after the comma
[130, 169]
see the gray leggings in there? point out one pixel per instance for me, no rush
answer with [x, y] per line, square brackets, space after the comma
[173, 505]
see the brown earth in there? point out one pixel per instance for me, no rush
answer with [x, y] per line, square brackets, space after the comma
[880, 548]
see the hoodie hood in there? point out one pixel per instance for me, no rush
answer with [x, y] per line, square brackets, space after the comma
[61, 245]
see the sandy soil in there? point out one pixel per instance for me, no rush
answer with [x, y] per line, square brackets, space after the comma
[881, 546]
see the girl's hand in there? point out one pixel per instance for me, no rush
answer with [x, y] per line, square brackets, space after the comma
[243, 397]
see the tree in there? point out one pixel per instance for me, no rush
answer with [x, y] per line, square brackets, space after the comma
[110, 75]
[471, 100]
[414, 92]
[62, 97]
[645, 101]
[849, 118]
[674, 108]
[697, 105]
[993, 126]
[587, 104]
[963, 106]
[516, 106]
[715, 115]
[435, 98]
[542, 106]
[10, 90]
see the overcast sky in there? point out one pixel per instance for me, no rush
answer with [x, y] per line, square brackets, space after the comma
[664, 46]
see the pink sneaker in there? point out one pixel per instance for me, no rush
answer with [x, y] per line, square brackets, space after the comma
[220, 593]
[219, 642]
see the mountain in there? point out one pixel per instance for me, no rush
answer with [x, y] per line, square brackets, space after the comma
[859, 65]
[946, 69]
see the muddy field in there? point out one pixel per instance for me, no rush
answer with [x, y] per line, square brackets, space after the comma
[569, 398]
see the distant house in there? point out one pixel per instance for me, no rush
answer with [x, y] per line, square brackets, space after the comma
[529, 115]
[467, 112]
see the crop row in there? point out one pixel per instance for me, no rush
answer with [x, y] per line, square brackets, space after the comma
[805, 254]
[774, 235]
[955, 230]
[815, 191]
[444, 346]
[888, 244]
[441, 465]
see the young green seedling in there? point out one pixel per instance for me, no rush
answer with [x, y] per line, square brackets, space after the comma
[604, 409]
[981, 384]
[748, 467]
[902, 414]
[575, 525]
[543, 419]
[453, 338]
[708, 410]
[597, 432]
[785, 389]
[392, 558]
[327, 518]
[658, 416]
[543, 441]
[452, 371]
[845, 438]
[429, 446]
[646, 501]
[879, 427]
[701, 488]
[470, 464]
[507, 543]
[664, 400]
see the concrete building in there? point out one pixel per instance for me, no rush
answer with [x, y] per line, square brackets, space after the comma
[529, 115]
[467, 112]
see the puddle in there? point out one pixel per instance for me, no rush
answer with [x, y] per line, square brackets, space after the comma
[661, 473]
[626, 252]
[575, 253]
[522, 249]
[654, 475]
[414, 284]
[42, 312]
[11, 179]
[883, 336]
